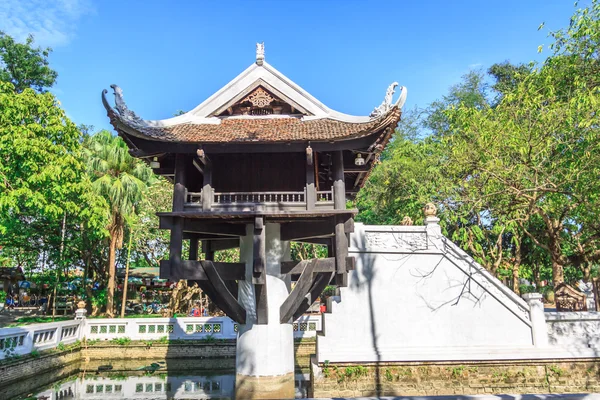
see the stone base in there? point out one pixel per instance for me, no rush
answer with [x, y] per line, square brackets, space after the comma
[264, 387]
[452, 378]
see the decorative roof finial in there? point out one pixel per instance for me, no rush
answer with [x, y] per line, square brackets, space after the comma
[260, 53]
[122, 108]
[386, 105]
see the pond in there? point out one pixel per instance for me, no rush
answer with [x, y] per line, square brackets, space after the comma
[138, 380]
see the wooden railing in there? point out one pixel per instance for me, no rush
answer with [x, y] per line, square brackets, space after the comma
[325, 195]
[194, 198]
[323, 199]
[259, 197]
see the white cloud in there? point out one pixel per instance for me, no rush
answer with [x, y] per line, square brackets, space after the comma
[475, 66]
[52, 22]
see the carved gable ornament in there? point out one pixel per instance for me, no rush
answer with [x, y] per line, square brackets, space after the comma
[259, 102]
[259, 98]
[569, 299]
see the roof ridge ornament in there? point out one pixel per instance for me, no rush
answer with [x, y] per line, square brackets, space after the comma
[260, 53]
[386, 105]
[122, 108]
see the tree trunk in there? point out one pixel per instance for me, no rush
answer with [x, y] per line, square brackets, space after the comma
[126, 281]
[110, 287]
[587, 269]
[517, 265]
[558, 273]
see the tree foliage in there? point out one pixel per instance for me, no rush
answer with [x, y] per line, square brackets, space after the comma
[122, 181]
[512, 159]
[25, 66]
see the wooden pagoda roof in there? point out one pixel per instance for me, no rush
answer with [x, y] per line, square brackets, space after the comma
[243, 130]
[214, 121]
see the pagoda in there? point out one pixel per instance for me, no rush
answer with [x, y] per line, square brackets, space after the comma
[259, 164]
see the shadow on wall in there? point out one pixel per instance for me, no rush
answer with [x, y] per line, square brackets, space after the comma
[363, 280]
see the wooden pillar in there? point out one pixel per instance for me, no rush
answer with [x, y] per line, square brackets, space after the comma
[339, 187]
[179, 190]
[259, 275]
[209, 253]
[341, 252]
[193, 248]
[311, 194]
[207, 192]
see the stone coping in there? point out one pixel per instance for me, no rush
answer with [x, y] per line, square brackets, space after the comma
[569, 396]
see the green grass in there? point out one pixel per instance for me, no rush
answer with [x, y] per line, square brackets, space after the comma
[36, 320]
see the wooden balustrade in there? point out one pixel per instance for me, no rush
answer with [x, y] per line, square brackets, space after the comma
[324, 198]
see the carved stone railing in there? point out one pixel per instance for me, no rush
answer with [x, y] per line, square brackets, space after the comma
[25, 339]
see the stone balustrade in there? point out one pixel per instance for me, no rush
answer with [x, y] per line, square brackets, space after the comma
[23, 340]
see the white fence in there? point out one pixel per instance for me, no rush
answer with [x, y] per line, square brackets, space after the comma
[574, 330]
[23, 340]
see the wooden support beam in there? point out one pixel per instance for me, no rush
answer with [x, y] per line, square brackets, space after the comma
[294, 300]
[231, 306]
[179, 188]
[323, 265]
[320, 282]
[207, 249]
[202, 227]
[202, 157]
[198, 165]
[321, 241]
[311, 193]
[232, 286]
[354, 169]
[164, 171]
[259, 273]
[262, 308]
[210, 291]
[305, 230]
[339, 187]
[207, 191]
[224, 244]
[176, 239]
[204, 236]
[193, 270]
[259, 259]
[193, 249]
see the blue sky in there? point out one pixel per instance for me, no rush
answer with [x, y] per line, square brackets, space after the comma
[171, 55]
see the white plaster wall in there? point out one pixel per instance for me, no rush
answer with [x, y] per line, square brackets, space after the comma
[414, 295]
[576, 332]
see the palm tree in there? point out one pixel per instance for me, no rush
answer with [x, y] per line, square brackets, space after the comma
[122, 181]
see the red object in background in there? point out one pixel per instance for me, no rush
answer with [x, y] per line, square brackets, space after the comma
[323, 308]
[197, 312]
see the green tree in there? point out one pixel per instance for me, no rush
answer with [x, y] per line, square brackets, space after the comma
[122, 180]
[25, 66]
[537, 153]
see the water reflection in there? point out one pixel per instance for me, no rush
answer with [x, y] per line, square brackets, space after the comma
[159, 386]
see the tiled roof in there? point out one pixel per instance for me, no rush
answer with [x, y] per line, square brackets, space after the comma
[260, 129]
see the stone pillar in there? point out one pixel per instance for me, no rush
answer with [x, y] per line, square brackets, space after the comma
[539, 331]
[265, 353]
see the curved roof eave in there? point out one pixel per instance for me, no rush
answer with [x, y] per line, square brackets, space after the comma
[248, 80]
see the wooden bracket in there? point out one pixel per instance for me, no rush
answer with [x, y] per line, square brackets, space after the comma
[229, 303]
[294, 300]
[321, 281]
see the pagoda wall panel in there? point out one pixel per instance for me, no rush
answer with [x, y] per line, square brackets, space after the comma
[258, 172]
